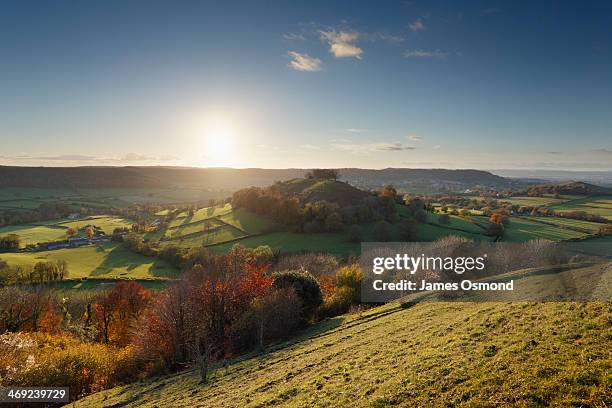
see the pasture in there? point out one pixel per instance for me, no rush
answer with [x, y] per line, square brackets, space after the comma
[107, 261]
[599, 205]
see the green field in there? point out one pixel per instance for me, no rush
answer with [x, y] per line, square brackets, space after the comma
[522, 229]
[535, 201]
[599, 205]
[246, 221]
[434, 354]
[107, 223]
[55, 230]
[200, 215]
[33, 234]
[584, 226]
[108, 261]
[593, 246]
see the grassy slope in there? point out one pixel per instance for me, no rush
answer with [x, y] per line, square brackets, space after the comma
[600, 205]
[107, 261]
[30, 234]
[481, 354]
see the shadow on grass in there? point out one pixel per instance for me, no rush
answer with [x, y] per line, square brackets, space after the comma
[119, 257]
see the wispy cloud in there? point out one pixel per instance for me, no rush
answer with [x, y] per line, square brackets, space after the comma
[356, 130]
[425, 54]
[372, 147]
[294, 37]
[553, 153]
[437, 147]
[342, 44]
[491, 10]
[309, 147]
[417, 25]
[415, 138]
[304, 62]
[602, 150]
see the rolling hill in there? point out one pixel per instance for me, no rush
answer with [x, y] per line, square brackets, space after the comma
[472, 354]
[225, 178]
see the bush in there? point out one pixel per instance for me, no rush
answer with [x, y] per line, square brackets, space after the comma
[263, 254]
[43, 360]
[421, 216]
[382, 231]
[407, 230]
[444, 219]
[270, 318]
[306, 287]
[317, 264]
[355, 234]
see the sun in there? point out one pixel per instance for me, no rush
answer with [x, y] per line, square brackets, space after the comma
[220, 134]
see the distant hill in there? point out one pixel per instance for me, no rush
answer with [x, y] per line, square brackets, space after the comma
[570, 188]
[232, 179]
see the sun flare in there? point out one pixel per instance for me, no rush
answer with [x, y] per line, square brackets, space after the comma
[218, 140]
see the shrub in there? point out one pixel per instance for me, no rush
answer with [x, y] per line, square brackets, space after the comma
[317, 264]
[263, 254]
[444, 219]
[382, 231]
[270, 318]
[41, 360]
[355, 234]
[306, 287]
[420, 216]
[407, 230]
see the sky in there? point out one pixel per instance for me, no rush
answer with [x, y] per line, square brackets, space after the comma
[433, 84]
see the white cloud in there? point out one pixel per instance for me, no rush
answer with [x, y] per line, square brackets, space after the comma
[304, 62]
[417, 25]
[425, 54]
[356, 130]
[372, 147]
[436, 147]
[342, 43]
[309, 146]
[415, 138]
[294, 37]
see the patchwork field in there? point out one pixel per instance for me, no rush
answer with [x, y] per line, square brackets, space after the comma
[522, 229]
[47, 231]
[600, 205]
[108, 261]
[472, 354]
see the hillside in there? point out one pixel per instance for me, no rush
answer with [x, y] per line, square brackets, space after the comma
[569, 188]
[312, 190]
[224, 178]
[432, 354]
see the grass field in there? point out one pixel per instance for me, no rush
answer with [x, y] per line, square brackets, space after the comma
[435, 354]
[246, 221]
[522, 229]
[535, 201]
[47, 231]
[109, 261]
[599, 205]
[33, 234]
[594, 246]
[586, 226]
[107, 223]
[200, 215]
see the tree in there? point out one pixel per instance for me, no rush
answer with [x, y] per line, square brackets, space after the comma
[90, 232]
[444, 219]
[355, 234]
[306, 287]
[421, 216]
[407, 230]
[10, 242]
[330, 174]
[71, 232]
[333, 222]
[382, 231]
[496, 230]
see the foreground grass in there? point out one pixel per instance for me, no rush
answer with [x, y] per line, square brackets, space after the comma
[433, 354]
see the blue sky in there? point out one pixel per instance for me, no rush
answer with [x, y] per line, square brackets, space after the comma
[309, 84]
